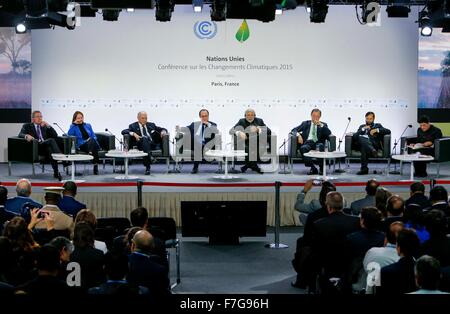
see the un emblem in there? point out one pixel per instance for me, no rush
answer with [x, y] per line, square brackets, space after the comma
[205, 29]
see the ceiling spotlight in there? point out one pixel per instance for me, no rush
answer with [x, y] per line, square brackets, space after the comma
[164, 9]
[319, 11]
[219, 10]
[111, 15]
[197, 5]
[21, 28]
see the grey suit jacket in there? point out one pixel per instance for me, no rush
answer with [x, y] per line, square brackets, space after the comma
[357, 205]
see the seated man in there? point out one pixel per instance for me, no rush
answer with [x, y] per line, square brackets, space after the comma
[146, 136]
[201, 133]
[254, 132]
[61, 220]
[424, 144]
[368, 140]
[15, 204]
[311, 135]
[68, 203]
[46, 136]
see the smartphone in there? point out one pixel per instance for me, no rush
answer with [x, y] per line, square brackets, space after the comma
[317, 182]
[42, 214]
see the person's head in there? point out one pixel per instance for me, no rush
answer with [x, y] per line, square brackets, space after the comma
[48, 260]
[3, 195]
[327, 187]
[428, 273]
[370, 117]
[129, 236]
[142, 117]
[52, 198]
[204, 115]
[436, 223]
[392, 232]
[414, 216]
[438, 194]
[424, 123]
[23, 188]
[370, 218]
[381, 197]
[408, 243]
[416, 188]
[250, 114]
[64, 247]
[371, 187]
[395, 206]
[142, 242]
[334, 202]
[78, 117]
[139, 217]
[316, 114]
[83, 235]
[16, 230]
[86, 216]
[70, 188]
[116, 266]
[36, 117]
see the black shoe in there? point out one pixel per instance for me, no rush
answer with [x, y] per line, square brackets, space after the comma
[312, 171]
[363, 171]
[95, 169]
[194, 170]
[147, 171]
[299, 285]
[57, 175]
[257, 170]
[65, 164]
[244, 169]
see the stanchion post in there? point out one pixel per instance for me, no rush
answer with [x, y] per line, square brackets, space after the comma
[140, 183]
[277, 244]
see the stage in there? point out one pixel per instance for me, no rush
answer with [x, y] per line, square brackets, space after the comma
[162, 192]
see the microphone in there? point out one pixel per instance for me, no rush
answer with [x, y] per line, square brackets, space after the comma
[64, 133]
[349, 119]
[120, 142]
[409, 125]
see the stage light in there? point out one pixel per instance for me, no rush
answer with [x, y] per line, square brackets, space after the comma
[197, 5]
[278, 10]
[130, 10]
[319, 11]
[164, 9]
[219, 10]
[398, 11]
[111, 15]
[21, 28]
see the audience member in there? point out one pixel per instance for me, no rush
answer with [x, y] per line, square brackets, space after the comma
[62, 222]
[414, 218]
[438, 246]
[428, 274]
[68, 203]
[368, 201]
[381, 197]
[439, 199]
[395, 208]
[417, 196]
[16, 204]
[87, 216]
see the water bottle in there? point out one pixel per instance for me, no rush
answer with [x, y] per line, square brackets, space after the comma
[125, 146]
[72, 149]
[326, 146]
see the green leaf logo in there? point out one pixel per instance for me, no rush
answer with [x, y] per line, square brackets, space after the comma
[243, 32]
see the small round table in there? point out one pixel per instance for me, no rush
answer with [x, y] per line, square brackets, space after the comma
[225, 154]
[325, 156]
[411, 158]
[72, 159]
[126, 156]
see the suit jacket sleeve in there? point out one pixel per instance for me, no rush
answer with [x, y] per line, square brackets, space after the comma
[71, 131]
[24, 130]
[383, 131]
[237, 127]
[127, 131]
[51, 133]
[326, 131]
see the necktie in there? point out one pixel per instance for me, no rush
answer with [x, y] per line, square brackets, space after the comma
[314, 133]
[39, 133]
[203, 133]
[144, 131]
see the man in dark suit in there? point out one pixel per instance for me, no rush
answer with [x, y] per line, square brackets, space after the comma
[399, 278]
[329, 237]
[368, 139]
[146, 269]
[255, 133]
[201, 133]
[417, 196]
[68, 204]
[369, 200]
[146, 136]
[439, 200]
[46, 136]
[311, 135]
[424, 144]
[15, 204]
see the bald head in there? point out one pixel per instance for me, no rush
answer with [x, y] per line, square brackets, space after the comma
[143, 241]
[334, 201]
[23, 188]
